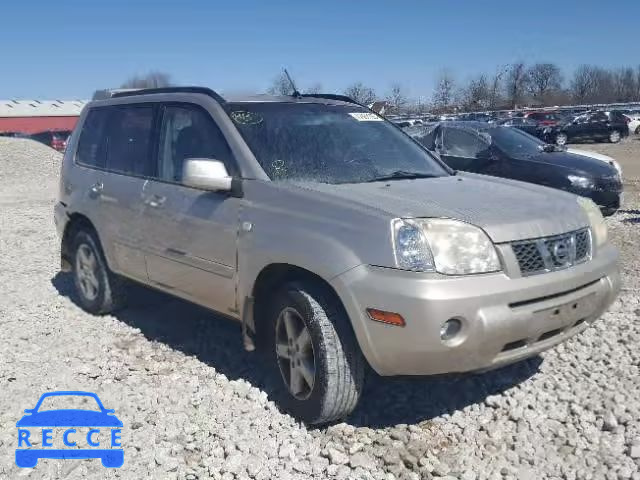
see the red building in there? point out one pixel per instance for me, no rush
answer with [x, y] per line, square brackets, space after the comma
[32, 116]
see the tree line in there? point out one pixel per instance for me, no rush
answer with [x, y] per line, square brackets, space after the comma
[507, 86]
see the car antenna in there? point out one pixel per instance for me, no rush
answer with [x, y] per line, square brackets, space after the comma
[295, 92]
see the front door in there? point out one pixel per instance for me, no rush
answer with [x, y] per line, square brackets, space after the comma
[192, 239]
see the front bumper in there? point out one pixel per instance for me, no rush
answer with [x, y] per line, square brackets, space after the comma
[504, 319]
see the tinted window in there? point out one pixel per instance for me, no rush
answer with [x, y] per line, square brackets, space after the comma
[92, 143]
[515, 143]
[189, 132]
[461, 143]
[128, 134]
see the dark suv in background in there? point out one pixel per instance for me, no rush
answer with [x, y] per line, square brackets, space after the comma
[598, 126]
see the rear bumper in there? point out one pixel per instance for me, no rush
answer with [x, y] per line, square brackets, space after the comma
[504, 319]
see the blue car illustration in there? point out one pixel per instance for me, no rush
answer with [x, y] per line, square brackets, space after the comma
[28, 458]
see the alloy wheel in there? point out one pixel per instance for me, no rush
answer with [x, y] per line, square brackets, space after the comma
[294, 351]
[86, 272]
[561, 139]
[614, 136]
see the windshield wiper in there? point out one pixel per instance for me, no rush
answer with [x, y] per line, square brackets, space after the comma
[402, 175]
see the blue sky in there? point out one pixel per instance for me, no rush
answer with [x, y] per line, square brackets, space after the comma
[69, 48]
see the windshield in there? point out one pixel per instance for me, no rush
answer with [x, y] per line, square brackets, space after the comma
[328, 143]
[515, 143]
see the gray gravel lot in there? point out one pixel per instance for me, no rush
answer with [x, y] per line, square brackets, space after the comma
[195, 405]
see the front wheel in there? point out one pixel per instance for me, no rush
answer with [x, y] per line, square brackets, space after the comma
[614, 136]
[561, 139]
[316, 353]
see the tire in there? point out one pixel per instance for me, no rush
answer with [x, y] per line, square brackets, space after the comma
[637, 132]
[561, 139]
[98, 289]
[614, 136]
[339, 365]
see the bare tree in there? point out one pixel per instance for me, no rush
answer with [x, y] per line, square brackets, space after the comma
[314, 88]
[397, 98]
[443, 94]
[515, 83]
[543, 79]
[361, 93]
[280, 85]
[494, 96]
[477, 94]
[624, 84]
[591, 84]
[150, 80]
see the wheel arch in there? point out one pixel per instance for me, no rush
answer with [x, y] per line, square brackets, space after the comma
[270, 278]
[76, 222]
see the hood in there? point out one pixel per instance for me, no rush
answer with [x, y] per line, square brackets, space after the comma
[507, 210]
[596, 156]
[582, 163]
[69, 418]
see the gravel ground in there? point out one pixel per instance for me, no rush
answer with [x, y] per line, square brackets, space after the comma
[195, 405]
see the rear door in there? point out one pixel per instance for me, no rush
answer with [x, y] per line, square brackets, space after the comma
[116, 144]
[598, 125]
[192, 235]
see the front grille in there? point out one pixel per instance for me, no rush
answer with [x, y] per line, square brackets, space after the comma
[548, 254]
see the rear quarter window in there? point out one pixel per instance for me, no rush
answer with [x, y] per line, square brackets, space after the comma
[92, 142]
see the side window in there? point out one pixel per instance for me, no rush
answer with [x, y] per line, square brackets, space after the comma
[460, 143]
[128, 135]
[188, 132]
[92, 144]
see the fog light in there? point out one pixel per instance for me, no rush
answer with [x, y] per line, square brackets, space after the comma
[450, 329]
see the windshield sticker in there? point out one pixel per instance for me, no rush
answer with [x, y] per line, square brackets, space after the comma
[365, 116]
[246, 118]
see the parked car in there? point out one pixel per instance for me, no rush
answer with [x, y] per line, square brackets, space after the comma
[634, 124]
[547, 119]
[332, 237]
[598, 126]
[56, 139]
[510, 153]
[13, 134]
[525, 124]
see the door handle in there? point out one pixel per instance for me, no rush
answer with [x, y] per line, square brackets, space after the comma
[155, 201]
[96, 189]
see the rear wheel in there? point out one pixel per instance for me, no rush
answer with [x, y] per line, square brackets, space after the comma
[99, 290]
[561, 139]
[614, 136]
[316, 354]
[637, 132]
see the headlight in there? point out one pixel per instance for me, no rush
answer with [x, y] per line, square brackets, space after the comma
[596, 220]
[582, 182]
[447, 246]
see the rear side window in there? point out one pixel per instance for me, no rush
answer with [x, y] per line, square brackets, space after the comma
[460, 143]
[129, 142]
[92, 143]
[118, 139]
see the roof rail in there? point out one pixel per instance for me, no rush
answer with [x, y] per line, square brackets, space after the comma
[149, 91]
[333, 96]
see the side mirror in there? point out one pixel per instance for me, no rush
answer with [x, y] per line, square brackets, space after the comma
[206, 174]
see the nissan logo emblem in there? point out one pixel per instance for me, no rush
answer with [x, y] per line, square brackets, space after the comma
[560, 251]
